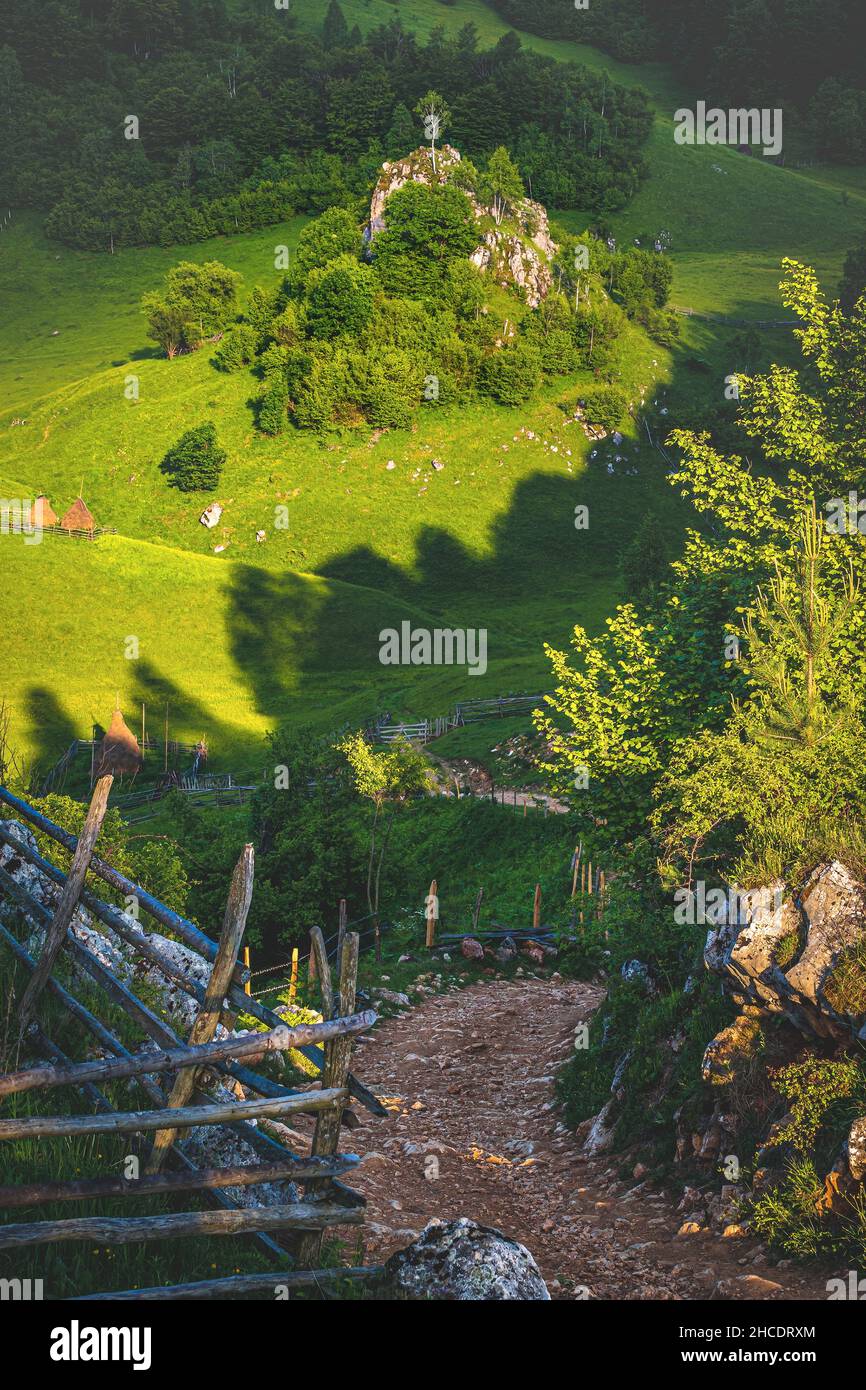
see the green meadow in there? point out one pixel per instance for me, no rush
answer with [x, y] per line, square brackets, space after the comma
[236, 640]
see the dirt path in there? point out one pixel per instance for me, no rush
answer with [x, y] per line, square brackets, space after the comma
[475, 1132]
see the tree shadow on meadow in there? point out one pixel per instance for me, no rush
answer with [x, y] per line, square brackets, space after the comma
[296, 638]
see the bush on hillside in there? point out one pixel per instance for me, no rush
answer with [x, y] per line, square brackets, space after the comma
[512, 374]
[605, 407]
[237, 349]
[195, 462]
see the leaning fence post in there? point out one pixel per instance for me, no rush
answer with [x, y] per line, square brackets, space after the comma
[432, 899]
[341, 931]
[208, 1016]
[323, 970]
[476, 914]
[118, 753]
[338, 1056]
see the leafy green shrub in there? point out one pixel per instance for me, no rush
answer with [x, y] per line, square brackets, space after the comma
[237, 349]
[273, 404]
[341, 299]
[512, 374]
[606, 406]
[195, 462]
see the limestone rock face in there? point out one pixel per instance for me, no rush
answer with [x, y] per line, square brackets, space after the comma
[511, 261]
[417, 167]
[835, 910]
[516, 258]
[798, 956]
[464, 1262]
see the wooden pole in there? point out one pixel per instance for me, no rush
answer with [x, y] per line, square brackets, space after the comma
[242, 1283]
[237, 1175]
[185, 1117]
[577, 853]
[205, 1025]
[118, 753]
[338, 1056]
[431, 914]
[323, 970]
[477, 913]
[121, 1230]
[279, 1039]
[341, 931]
[536, 908]
[293, 982]
[247, 983]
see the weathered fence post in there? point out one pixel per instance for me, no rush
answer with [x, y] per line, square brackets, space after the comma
[293, 979]
[118, 753]
[205, 1025]
[536, 908]
[323, 970]
[476, 914]
[577, 854]
[338, 1055]
[431, 907]
[341, 931]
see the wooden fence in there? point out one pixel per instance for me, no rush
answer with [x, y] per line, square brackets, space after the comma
[326, 1203]
[383, 730]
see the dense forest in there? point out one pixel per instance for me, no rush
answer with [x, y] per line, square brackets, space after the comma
[757, 52]
[165, 123]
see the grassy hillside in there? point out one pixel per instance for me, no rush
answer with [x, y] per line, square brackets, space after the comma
[239, 639]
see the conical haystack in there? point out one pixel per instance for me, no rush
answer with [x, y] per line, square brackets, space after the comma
[42, 512]
[118, 752]
[79, 517]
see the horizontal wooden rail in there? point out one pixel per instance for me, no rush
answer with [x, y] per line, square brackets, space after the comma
[241, 1284]
[254, 1045]
[121, 1230]
[240, 1175]
[183, 1117]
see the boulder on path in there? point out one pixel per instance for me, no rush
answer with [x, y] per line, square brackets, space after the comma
[460, 1261]
[471, 949]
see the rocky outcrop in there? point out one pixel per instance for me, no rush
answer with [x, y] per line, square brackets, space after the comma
[802, 956]
[516, 256]
[460, 1261]
[416, 167]
[512, 261]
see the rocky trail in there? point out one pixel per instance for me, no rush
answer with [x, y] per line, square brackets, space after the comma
[475, 1131]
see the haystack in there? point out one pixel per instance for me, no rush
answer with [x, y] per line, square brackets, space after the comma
[43, 514]
[118, 752]
[79, 517]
